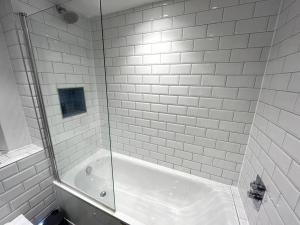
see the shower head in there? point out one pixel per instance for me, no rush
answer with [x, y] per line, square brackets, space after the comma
[69, 17]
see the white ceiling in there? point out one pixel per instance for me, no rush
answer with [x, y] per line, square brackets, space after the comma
[110, 6]
[90, 8]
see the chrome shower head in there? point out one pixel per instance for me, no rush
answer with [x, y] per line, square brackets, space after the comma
[69, 17]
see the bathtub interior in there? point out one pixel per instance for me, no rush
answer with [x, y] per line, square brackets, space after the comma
[148, 192]
[97, 181]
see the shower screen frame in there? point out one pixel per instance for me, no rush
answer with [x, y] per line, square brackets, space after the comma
[40, 106]
[33, 80]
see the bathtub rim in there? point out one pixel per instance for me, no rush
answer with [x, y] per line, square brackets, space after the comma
[159, 167]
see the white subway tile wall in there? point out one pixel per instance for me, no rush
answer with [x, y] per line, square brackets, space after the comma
[273, 149]
[10, 25]
[26, 188]
[25, 183]
[66, 59]
[183, 81]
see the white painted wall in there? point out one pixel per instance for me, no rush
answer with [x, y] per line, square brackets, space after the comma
[12, 119]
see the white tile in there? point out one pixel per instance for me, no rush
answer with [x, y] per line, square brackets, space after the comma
[287, 213]
[180, 69]
[229, 68]
[8, 171]
[287, 189]
[188, 101]
[288, 121]
[194, 32]
[182, 46]
[210, 16]
[297, 210]
[294, 83]
[282, 160]
[238, 12]
[266, 8]
[243, 55]
[142, 49]
[291, 63]
[173, 10]
[206, 68]
[162, 24]
[184, 21]
[291, 145]
[170, 58]
[151, 14]
[251, 25]
[151, 59]
[200, 91]
[151, 37]
[192, 57]
[141, 27]
[260, 39]
[196, 6]
[161, 47]
[206, 44]
[134, 60]
[236, 41]
[294, 174]
[172, 35]
[217, 56]
[223, 3]
[134, 18]
[220, 29]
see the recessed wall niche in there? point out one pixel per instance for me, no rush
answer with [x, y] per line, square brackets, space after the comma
[72, 101]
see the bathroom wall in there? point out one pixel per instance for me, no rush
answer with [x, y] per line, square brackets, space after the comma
[26, 188]
[11, 29]
[273, 149]
[100, 80]
[25, 173]
[65, 58]
[12, 118]
[183, 81]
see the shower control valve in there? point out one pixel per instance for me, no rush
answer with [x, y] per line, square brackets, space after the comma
[257, 189]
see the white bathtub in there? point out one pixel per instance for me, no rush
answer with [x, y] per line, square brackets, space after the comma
[149, 194]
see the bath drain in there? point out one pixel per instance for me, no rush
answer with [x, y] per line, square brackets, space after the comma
[103, 194]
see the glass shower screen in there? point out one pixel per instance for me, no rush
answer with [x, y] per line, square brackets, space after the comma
[67, 47]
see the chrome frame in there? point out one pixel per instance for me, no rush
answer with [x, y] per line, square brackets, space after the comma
[106, 93]
[44, 126]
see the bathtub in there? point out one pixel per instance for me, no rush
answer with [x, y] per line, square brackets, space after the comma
[149, 194]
